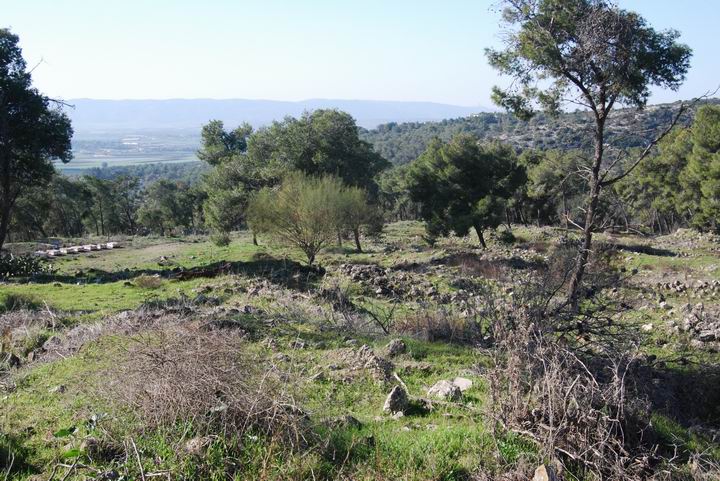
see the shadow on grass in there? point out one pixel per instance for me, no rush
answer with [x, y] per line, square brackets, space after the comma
[283, 272]
[690, 395]
[645, 249]
[12, 457]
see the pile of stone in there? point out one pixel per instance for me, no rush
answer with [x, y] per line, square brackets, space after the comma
[352, 362]
[700, 323]
[387, 282]
[698, 288]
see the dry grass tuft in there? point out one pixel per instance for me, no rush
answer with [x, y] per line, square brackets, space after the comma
[148, 282]
[440, 324]
[207, 379]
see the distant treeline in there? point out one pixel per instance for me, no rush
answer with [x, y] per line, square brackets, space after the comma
[186, 172]
[521, 172]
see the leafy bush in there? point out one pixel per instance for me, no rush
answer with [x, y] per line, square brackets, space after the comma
[220, 239]
[23, 266]
[304, 212]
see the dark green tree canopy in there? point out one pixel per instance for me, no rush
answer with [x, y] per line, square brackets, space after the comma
[219, 145]
[318, 143]
[588, 52]
[593, 54]
[32, 133]
[462, 185]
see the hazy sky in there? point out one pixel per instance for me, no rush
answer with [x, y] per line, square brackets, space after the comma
[293, 50]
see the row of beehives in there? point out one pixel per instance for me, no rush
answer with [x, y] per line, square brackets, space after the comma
[76, 249]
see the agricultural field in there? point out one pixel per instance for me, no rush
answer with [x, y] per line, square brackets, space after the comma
[173, 358]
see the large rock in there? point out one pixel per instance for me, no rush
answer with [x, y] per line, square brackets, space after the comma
[445, 390]
[397, 400]
[463, 383]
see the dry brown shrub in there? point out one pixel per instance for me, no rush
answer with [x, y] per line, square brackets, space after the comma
[471, 264]
[580, 414]
[148, 282]
[208, 379]
[440, 324]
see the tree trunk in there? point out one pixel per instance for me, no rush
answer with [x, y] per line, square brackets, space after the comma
[481, 237]
[339, 239]
[356, 233]
[255, 242]
[4, 226]
[573, 294]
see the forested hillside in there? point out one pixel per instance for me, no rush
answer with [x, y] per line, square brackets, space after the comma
[402, 143]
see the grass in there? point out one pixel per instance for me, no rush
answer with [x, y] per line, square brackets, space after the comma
[449, 443]
[98, 298]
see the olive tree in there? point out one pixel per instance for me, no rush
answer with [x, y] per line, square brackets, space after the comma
[593, 54]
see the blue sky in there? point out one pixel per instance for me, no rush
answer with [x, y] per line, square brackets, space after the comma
[293, 50]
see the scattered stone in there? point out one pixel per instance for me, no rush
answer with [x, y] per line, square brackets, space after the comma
[397, 401]
[647, 327]
[707, 336]
[59, 389]
[445, 390]
[396, 347]
[297, 344]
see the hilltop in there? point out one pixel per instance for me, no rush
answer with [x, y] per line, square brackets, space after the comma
[401, 143]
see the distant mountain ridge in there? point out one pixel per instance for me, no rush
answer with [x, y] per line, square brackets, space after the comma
[96, 114]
